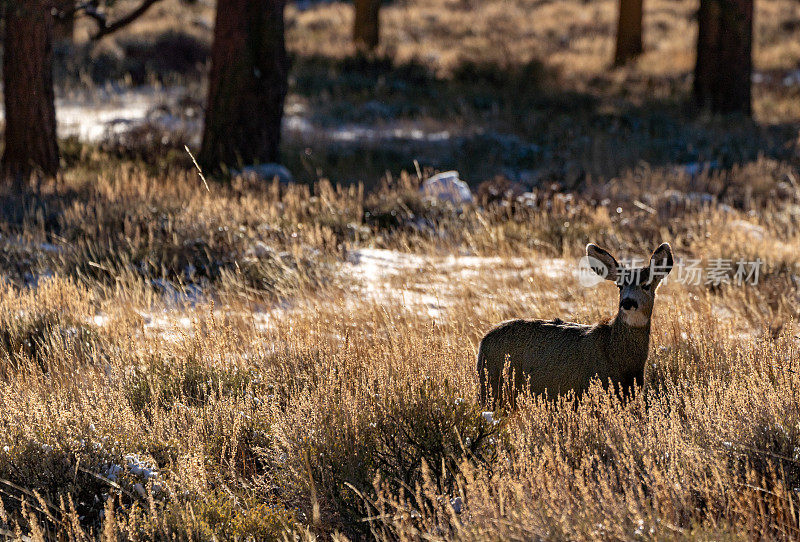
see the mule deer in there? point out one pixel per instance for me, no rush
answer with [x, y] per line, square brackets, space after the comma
[555, 357]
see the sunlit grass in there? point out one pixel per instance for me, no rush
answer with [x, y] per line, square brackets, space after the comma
[305, 388]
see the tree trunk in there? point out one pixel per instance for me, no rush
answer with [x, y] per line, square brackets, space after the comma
[30, 135]
[724, 56]
[366, 28]
[629, 31]
[247, 84]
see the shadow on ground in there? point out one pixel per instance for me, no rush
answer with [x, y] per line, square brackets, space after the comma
[519, 122]
[355, 119]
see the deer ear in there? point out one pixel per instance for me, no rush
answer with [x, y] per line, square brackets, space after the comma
[602, 262]
[661, 261]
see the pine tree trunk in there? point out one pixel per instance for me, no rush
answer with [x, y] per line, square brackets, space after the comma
[30, 134]
[724, 56]
[247, 84]
[629, 31]
[366, 28]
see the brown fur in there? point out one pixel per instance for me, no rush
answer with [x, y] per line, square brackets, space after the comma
[556, 357]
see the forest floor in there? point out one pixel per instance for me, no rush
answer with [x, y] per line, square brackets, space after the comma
[250, 360]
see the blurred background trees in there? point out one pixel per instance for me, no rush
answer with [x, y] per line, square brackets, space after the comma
[366, 26]
[249, 68]
[629, 31]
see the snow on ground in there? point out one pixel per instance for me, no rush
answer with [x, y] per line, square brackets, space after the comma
[100, 114]
[93, 122]
[94, 115]
[298, 124]
[97, 114]
[431, 284]
[427, 284]
[374, 265]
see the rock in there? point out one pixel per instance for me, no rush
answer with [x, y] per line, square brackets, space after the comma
[447, 187]
[267, 172]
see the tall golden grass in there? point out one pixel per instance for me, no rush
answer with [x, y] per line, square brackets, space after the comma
[284, 391]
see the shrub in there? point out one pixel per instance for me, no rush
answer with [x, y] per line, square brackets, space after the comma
[416, 429]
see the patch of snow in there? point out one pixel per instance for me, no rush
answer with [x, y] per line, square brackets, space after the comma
[95, 116]
[94, 122]
[113, 472]
[296, 123]
[750, 230]
[140, 468]
[432, 304]
[376, 263]
[100, 320]
[557, 268]
[431, 283]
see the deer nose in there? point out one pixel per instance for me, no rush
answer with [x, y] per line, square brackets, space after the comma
[629, 304]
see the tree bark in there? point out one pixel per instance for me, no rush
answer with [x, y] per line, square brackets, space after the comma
[30, 134]
[629, 31]
[247, 84]
[366, 28]
[724, 56]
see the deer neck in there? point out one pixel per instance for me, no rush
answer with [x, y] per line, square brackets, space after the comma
[629, 345]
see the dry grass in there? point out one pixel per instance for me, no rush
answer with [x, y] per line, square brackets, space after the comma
[340, 399]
